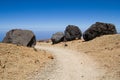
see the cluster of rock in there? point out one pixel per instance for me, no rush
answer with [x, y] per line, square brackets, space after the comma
[73, 32]
[20, 37]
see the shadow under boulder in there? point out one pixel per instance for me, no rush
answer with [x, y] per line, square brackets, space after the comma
[20, 37]
[99, 29]
[72, 32]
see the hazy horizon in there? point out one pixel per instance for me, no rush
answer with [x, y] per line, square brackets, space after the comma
[40, 35]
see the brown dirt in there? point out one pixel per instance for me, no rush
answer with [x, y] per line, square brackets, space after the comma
[69, 65]
[17, 62]
[105, 50]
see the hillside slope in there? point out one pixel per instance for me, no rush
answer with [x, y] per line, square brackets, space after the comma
[17, 62]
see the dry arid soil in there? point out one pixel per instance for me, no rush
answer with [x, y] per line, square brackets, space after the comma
[104, 50]
[98, 59]
[18, 62]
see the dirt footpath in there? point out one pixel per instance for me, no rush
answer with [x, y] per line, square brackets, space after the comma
[97, 59]
[70, 65]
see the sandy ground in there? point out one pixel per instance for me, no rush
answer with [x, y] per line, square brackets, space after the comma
[98, 59]
[102, 56]
[17, 62]
[70, 65]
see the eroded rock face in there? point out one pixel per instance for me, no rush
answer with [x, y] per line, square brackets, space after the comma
[72, 32]
[99, 29]
[57, 37]
[20, 37]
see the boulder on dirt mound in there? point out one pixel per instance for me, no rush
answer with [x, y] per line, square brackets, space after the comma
[72, 32]
[57, 37]
[99, 29]
[20, 37]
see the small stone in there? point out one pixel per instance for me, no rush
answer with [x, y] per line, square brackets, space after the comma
[82, 76]
[50, 57]
[65, 45]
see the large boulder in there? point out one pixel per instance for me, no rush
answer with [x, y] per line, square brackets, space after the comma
[57, 37]
[72, 32]
[20, 37]
[99, 29]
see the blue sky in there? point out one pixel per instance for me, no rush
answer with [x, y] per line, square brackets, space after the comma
[55, 15]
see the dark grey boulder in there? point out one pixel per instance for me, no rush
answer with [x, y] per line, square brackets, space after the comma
[57, 37]
[72, 32]
[20, 37]
[99, 29]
